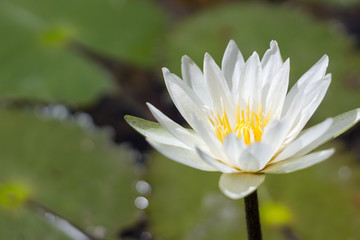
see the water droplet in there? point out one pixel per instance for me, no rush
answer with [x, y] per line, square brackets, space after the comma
[143, 187]
[141, 202]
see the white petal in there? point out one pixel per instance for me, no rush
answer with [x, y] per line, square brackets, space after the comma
[314, 74]
[311, 103]
[272, 58]
[277, 91]
[218, 88]
[271, 63]
[184, 135]
[292, 107]
[216, 164]
[194, 77]
[255, 157]
[208, 137]
[236, 79]
[275, 133]
[153, 130]
[250, 82]
[239, 185]
[233, 147]
[185, 100]
[340, 124]
[181, 155]
[232, 60]
[295, 164]
[306, 138]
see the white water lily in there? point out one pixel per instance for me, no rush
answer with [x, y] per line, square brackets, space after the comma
[243, 122]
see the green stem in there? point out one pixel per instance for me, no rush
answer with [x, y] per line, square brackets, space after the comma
[252, 217]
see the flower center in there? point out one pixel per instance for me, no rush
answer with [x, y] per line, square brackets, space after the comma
[249, 125]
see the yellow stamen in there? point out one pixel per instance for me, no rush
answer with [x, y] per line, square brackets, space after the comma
[249, 125]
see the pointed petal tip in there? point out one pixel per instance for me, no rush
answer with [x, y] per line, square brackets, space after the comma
[209, 63]
[232, 44]
[132, 120]
[185, 58]
[324, 59]
[274, 44]
[165, 71]
[127, 118]
[254, 54]
[151, 107]
[208, 59]
[254, 57]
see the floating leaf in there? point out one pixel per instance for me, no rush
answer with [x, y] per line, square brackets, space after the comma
[75, 172]
[36, 62]
[23, 224]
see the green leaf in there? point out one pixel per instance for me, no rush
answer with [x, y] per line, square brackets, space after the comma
[35, 65]
[119, 28]
[75, 172]
[36, 62]
[31, 226]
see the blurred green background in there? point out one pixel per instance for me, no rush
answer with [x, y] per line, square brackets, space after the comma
[70, 70]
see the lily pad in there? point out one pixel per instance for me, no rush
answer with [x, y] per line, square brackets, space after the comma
[301, 38]
[32, 227]
[75, 172]
[36, 62]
